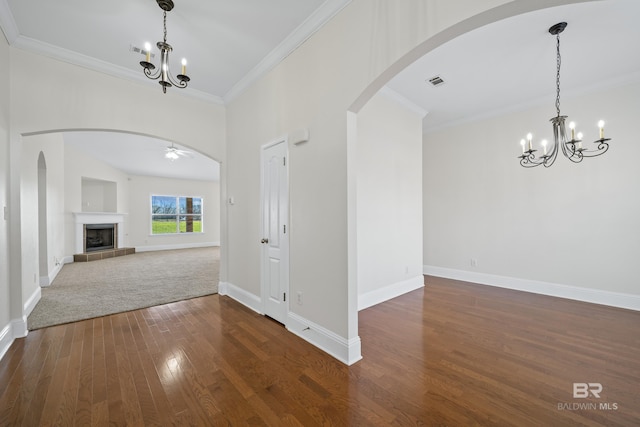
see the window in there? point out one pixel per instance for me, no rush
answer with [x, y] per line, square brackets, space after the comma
[176, 214]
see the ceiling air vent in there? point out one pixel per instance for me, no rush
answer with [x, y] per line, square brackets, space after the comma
[436, 81]
[140, 50]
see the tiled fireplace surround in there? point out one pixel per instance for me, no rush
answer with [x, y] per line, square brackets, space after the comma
[82, 218]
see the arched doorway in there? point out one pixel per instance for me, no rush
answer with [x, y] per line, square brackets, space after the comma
[77, 177]
[353, 132]
[42, 221]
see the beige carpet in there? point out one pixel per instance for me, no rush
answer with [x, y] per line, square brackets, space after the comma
[84, 290]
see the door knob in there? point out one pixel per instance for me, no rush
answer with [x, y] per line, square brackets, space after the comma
[264, 241]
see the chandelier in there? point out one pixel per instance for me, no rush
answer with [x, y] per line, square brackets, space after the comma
[571, 148]
[166, 79]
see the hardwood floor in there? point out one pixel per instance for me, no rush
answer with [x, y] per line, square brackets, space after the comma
[449, 354]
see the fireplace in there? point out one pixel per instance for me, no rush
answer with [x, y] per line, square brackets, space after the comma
[99, 237]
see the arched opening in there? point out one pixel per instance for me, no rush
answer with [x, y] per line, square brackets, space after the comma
[42, 221]
[530, 15]
[103, 173]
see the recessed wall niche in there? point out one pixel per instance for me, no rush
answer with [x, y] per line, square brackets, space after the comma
[99, 195]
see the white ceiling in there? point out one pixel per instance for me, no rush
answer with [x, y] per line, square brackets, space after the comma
[227, 43]
[143, 155]
[504, 66]
[511, 64]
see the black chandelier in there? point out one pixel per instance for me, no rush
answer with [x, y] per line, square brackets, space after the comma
[572, 149]
[166, 80]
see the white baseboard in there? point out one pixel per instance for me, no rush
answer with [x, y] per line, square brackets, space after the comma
[46, 281]
[243, 297]
[30, 304]
[176, 246]
[17, 328]
[6, 339]
[346, 351]
[378, 296]
[67, 259]
[596, 296]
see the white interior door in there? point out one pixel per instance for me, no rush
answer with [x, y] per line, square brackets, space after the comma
[275, 233]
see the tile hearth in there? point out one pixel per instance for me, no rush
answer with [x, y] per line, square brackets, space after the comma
[98, 255]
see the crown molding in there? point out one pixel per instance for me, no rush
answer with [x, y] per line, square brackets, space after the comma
[41, 48]
[540, 101]
[297, 37]
[305, 30]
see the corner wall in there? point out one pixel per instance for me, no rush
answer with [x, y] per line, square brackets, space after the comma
[389, 201]
[569, 230]
[6, 335]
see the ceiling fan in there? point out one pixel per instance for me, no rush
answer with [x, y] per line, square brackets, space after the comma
[172, 153]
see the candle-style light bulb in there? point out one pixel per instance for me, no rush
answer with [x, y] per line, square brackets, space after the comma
[147, 48]
[572, 126]
[522, 143]
[580, 140]
[184, 67]
[601, 126]
[544, 147]
[529, 137]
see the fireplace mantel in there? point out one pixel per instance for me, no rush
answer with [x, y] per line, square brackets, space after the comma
[83, 218]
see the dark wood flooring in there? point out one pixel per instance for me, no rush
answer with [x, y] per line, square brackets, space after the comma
[451, 354]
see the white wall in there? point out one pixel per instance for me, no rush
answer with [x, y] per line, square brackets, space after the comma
[389, 197]
[314, 87]
[5, 291]
[99, 195]
[79, 165]
[71, 97]
[33, 274]
[570, 224]
[140, 190]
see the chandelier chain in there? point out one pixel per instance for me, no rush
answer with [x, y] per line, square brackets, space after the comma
[165, 27]
[558, 62]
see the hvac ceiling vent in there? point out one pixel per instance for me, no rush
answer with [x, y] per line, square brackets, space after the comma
[136, 49]
[436, 81]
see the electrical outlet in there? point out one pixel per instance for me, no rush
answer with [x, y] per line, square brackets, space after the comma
[299, 297]
[474, 262]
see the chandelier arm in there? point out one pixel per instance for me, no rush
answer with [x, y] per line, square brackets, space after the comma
[529, 160]
[150, 74]
[551, 158]
[602, 148]
[181, 82]
[570, 152]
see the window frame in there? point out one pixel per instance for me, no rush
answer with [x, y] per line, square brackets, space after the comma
[178, 215]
